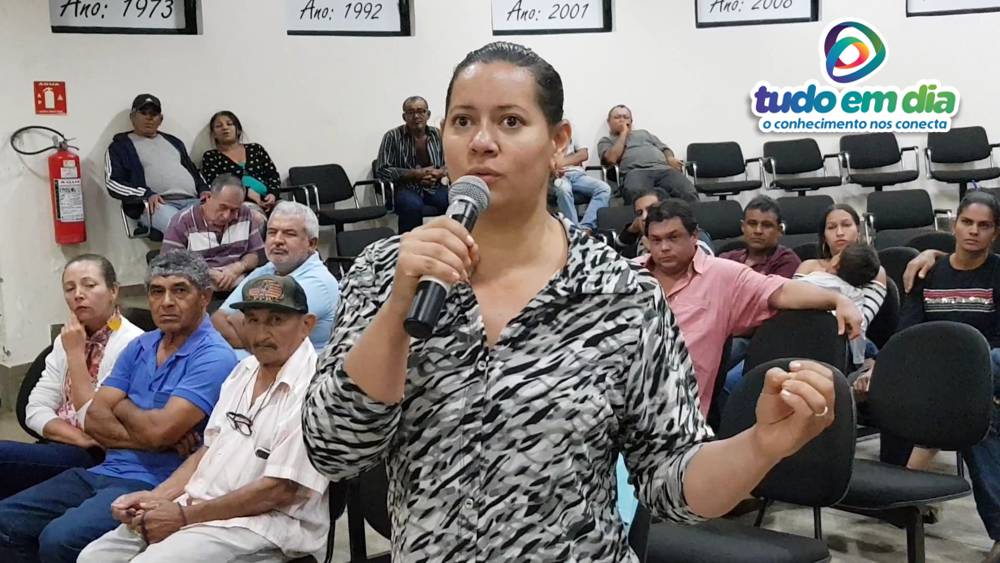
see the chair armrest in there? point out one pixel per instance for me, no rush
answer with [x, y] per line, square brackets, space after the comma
[129, 232]
[929, 158]
[759, 161]
[995, 146]
[612, 168]
[305, 189]
[916, 157]
[594, 168]
[846, 156]
[869, 221]
[373, 183]
[691, 171]
[766, 161]
[840, 163]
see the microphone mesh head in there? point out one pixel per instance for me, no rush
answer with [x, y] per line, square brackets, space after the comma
[472, 187]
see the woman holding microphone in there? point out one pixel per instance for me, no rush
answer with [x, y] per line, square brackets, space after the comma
[551, 355]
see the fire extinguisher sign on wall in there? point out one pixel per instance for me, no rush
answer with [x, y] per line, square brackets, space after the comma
[50, 98]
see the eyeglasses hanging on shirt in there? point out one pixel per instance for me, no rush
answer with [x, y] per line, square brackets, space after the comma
[243, 423]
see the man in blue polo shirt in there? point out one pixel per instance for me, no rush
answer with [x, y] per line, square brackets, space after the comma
[290, 246]
[147, 414]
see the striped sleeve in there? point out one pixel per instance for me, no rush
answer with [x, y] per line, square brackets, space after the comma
[873, 294]
[114, 182]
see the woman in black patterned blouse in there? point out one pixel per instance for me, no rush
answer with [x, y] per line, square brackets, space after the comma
[247, 161]
[553, 354]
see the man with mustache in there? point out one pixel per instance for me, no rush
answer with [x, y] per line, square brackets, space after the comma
[250, 491]
[290, 246]
[411, 157]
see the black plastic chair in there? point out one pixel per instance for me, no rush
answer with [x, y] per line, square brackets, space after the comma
[894, 261]
[31, 378]
[937, 240]
[795, 159]
[720, 219]
[350, 245]
[867, 152]
[611, 221]
[337, 503]
[899, 215]
[960, 145]
[803, 334]
[932, 385]
[883, 326]
[816, 476]
[714, 417]
[801, 217]
[712, 161]
[324, 185]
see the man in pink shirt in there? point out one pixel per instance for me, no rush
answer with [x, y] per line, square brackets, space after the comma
[713, 298]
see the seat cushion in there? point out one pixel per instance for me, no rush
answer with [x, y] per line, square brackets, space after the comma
[898, 237]
[807, 183]
[724, 541]
[881, 486]
[967, 175]
[332, 216]
[872, 179]
[734, 187]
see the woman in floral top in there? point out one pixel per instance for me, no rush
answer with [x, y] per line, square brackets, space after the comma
[82, 355]
[247, 161]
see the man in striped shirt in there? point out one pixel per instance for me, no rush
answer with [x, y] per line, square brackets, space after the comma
[410, 157]
[223, 231]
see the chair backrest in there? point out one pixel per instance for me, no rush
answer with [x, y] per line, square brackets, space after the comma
[793, 157]
[937, 240]
[800, 334]
[894, 261]
[330, 180]
[901, 209]
[870, 150]
[352, 243]
[140, 317]
[806, 250]
[960, 144]
[27, 385]
[802, 215]
[615, 218]
[819, 473]
[727, 245]
[933, 386]
[720, 219]
[883, 326]
[716, 160]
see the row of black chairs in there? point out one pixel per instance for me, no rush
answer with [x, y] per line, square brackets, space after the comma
[798, 166]
[931, 386]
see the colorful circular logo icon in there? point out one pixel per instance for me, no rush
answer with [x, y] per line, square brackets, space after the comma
[866, 43]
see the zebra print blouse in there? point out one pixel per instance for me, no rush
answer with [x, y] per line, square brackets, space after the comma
[507, 453]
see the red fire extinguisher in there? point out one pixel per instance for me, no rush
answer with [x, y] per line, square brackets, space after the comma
[66, 188]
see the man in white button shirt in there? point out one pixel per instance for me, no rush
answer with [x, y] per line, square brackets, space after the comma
[250, 493]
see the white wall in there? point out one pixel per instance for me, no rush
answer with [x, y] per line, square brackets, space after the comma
[320, 99]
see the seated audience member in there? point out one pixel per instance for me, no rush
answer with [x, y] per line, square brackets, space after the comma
[221, 230]
[290, 246]
[712, 298]
[643, 160]
[841, 227]
[629, 240]
[249, 161]
[147, 164]
[851, 272]
[250, 492]
[410, 157]
[81, 357]
[762, 230]
[162, 388]
[572, 179]
[963, 287]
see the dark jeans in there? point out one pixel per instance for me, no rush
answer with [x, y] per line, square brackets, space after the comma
[26, 465]
[53, 521]
[410, 204]
[669, 180]
[983, 460]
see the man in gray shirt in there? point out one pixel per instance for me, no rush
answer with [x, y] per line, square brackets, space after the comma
[148, 165]
[644, 161]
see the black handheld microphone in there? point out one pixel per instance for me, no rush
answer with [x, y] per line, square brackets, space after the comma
[468, 197]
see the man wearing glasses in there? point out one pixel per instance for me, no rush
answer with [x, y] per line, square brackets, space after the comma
[146, 414]
[250, 491]
[411, 157]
